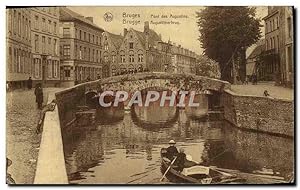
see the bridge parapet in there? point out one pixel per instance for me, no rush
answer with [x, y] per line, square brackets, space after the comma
[168, 81]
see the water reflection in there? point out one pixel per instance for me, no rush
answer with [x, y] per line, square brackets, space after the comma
[123, 150]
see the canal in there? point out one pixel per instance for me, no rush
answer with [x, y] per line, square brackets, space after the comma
[124, 145]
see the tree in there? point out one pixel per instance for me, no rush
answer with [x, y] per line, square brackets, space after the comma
[225, 34]
[207, 67]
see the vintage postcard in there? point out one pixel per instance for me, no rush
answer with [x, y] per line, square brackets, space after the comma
[150, 95]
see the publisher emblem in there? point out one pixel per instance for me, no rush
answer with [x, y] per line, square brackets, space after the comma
[108, 17]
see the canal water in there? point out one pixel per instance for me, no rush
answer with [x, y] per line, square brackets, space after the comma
[124, 145]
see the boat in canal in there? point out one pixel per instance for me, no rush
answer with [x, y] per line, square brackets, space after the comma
[196, 174]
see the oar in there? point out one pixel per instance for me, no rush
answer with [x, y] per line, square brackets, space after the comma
[168, 169]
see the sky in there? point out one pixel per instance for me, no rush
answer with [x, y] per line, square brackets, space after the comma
[179, 24]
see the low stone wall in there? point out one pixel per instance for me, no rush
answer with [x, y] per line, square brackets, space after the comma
[51, 167]
[263, 114]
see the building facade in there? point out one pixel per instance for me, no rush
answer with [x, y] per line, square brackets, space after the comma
[81, 48]
[183, 60]
[45, 45]
[287, 44]
[141, 51]
[111, 45]
[278, 59]
[18, 47]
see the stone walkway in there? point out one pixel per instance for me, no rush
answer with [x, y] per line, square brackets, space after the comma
[258, 90]
[22, 142]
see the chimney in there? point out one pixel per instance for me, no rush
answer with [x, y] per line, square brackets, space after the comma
[90, 19]
[125, 31]
[146, 27]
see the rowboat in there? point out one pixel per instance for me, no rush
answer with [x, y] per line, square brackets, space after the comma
[195, 174]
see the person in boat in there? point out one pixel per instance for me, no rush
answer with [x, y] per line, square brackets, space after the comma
[181, 159]
[171, 150]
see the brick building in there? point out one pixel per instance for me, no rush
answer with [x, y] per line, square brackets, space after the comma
[278, 57]
[80, 48]
[183, 60]
[45, 45]
[18, 47]
[140, 51]
[111, 44]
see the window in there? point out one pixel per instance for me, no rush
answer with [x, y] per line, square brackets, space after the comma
[55, 68]
[67, 73]
[66, 32]
[43, 44]
[36, 43]
[97, 58]
[84, 53]
[131, 57]
[290, 58]
[55, 47]
[105, 46]
[289, 23]
[49, 25]
[19, 24]
[113, 58]
[44, 24]
[54, 27]
[122, 58]
[19, 61]
[93, 40]
[10, 21]
[93, 55]
[37, 68]
[96, 39]
[89, 38]
[130, 45]
[10, 59]
[80, 34]
[271, 40]
[50, 69]
[66, 51]
[84, 36]
[80, 53]
[49, 46]
[105, 58]
[26, 29]
[140, 57]
[36, 24]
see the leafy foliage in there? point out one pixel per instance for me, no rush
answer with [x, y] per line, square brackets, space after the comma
[225, 31]
[208, 67]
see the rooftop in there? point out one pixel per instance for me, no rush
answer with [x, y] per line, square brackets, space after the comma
[69, 15]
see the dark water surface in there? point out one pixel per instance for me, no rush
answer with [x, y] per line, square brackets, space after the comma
[124, 146]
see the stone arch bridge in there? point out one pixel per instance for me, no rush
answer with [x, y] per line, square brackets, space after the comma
[69, 99]
[166, 81]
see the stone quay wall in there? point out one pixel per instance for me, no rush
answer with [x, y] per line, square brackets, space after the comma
[67, 101]
[264, 114]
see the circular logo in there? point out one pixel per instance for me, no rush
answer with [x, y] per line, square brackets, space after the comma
[108, 17]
